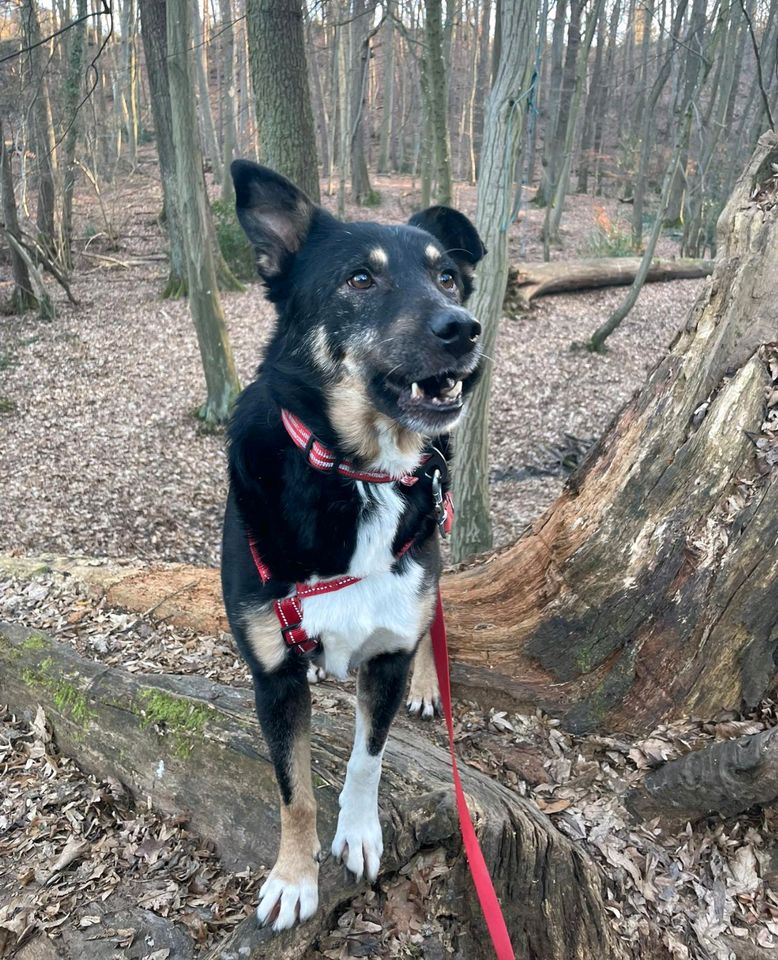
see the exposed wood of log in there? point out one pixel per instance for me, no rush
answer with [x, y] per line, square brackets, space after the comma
[194, 746]
[529, 281]
[725, 778]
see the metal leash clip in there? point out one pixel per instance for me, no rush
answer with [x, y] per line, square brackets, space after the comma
[441, 513]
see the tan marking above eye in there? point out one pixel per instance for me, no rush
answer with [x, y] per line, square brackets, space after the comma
[378, 258]
[432, 253]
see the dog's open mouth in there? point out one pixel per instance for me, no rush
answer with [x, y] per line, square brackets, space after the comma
[441, 393]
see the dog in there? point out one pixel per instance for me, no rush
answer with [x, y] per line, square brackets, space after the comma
[338, 455]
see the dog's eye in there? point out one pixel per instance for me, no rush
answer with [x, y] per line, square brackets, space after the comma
[361, 280]
[446, 280]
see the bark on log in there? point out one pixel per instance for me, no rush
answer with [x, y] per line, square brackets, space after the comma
[194, 746]
[725, 778]
[529, 281]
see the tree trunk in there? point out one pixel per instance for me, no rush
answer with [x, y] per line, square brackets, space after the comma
[438, 105]
[361, 191]
[502, 137]
[73, 96]
[387, 117]
[282, 100]
[42, 127]
[155, 45]
[23, 298]
[205, 113]
[551, 112]
[229, 134]
[219, 368]
[528, 281]
[194, 746]
[649, 590]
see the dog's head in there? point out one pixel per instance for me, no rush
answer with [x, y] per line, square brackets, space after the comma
[376, 311]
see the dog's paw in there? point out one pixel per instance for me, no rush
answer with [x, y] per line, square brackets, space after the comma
[424, 697]
[285, 901]
[316, 674]
[359, 842]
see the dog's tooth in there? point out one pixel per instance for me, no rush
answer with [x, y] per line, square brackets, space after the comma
[453, 391]
[416, 392]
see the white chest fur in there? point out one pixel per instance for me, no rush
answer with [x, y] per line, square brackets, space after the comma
[384, 611]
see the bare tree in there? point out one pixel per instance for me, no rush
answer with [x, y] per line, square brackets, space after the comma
[219, 368]
[502, 136]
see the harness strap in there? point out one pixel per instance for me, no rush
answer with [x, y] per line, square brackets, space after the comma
[324, 460]
[484, 888]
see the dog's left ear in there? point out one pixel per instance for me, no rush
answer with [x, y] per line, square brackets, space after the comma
[275, 215]
[457, 234]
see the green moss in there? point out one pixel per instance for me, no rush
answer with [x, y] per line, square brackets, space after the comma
[68, 698]
[7, 405]
[35, 641]
[233, 242]
[183, 720]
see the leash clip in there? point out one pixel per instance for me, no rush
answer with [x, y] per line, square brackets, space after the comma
[441, 513]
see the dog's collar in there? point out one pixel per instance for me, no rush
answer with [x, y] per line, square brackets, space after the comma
[326, 461]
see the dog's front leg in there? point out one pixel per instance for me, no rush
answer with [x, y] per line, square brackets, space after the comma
[358, 841]
[284, 710]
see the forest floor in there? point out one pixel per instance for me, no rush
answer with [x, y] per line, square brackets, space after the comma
[100, 450]
[101, 455]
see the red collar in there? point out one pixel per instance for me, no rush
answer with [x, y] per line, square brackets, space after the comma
[326, 461]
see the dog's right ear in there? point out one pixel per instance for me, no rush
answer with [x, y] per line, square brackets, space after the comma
[274, 214]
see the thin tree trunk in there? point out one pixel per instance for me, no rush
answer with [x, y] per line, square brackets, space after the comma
[361, 191]
[384, 160]
[555, 210]
[73, 96]
[23, 297]
[287, 139]
[154, 29]
[220, 376]
[213, 151]
[553, 103]
[502, 139]
[229, 134]
[42, 128]
[437, 92]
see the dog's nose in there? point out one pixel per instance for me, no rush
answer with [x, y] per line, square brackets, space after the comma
[457, 330]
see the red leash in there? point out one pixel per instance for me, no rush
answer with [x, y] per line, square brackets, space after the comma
[490, 905]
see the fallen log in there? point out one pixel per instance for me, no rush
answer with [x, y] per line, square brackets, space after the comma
[723, 778]
[529, 281]
[193, 746]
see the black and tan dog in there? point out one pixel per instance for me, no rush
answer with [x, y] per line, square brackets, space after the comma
[337, 461]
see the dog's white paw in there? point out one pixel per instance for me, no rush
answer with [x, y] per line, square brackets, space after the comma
[316, 674]
[296, 899]
[359, 842]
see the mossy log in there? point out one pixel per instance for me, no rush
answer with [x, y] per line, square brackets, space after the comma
[194, 746]
[528, 281]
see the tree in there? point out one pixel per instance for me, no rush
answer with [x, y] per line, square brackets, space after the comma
[502, 135]
[22, 298]
[437, 91]
[649, 589]
[155, 45]
[282, 99]
[192, 201]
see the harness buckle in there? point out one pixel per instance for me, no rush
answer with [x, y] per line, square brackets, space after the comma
[439, 503]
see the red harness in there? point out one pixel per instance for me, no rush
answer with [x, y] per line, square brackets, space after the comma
[289, 611]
